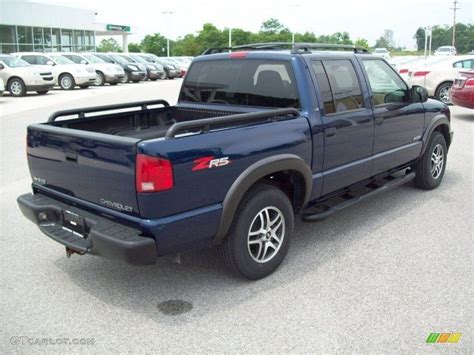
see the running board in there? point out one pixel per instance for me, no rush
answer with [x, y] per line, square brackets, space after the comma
[325, 211]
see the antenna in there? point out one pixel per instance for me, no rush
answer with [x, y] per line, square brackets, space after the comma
[454, 8]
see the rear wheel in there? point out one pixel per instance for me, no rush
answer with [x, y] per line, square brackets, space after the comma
[430, 168]
[260, 234]
[99, 79]
[17, 87]
[66, 82]
[443, 92]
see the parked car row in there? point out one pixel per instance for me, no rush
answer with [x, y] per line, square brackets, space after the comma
[40, 72]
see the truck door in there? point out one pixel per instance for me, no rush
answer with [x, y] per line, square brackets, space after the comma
[347, 121]
[398, 121]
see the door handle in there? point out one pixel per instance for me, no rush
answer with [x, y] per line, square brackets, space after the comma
[331, 132]
[379, 120]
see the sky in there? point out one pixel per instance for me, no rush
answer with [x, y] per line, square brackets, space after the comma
[361, 18]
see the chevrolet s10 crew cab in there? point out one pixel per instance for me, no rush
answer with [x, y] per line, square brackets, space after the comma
[261, 133]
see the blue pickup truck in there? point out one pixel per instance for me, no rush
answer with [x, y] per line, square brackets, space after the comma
[261, 133]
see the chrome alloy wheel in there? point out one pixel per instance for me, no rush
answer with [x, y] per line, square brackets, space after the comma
[444, 94]
[16, 88]
[266, 234]
[66, 82]
[437, 161]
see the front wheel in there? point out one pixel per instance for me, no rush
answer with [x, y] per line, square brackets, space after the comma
[126, 78]
[17, 87]
[430, 168]
[260, 234]
[99, 79]
[66, 82]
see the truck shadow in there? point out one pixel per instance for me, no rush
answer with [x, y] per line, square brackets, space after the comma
[206, 287]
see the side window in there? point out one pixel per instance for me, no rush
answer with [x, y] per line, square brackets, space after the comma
[345, 86]
[466, 64]
[29, 59]
[324, 87]
[386, 85]
[41, 60]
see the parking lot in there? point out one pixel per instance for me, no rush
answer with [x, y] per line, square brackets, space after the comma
[378, 277]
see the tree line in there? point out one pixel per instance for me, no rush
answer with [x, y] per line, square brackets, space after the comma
[273, 30]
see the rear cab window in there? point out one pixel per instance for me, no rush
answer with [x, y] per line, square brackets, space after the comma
[248, 82]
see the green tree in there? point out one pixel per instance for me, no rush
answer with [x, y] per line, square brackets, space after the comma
[362, 42]
[386, 40]
[109, 45]
[155, 43]
[419, 37]
[272, 26]
[134, 47]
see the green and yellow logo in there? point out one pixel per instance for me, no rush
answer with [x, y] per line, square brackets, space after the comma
[443, 338]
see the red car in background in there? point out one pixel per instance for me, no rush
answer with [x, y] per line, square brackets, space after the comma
[462, 91]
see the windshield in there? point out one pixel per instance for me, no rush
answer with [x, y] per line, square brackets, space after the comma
[127, 58]
[13, 62]
[119, 59]
[380, 50]
[444, 49]
[104, 58]
[138, 59]
[59, 59]
[241, 82]
[93, 59]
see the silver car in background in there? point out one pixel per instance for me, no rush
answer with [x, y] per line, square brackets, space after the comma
[20, 77]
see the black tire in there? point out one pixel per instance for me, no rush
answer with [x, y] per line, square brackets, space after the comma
[240, 251]
[67, 82]
[126, 78]
[16, 87]
[427, 176]
[42, 92]
[100, 80]
[443, 92]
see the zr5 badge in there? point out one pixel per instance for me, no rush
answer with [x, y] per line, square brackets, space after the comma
[210, 162]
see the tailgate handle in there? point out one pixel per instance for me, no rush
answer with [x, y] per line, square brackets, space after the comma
[71, 157]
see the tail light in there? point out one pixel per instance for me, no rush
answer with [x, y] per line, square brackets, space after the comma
[469, 82]
[153, 174]
[421, 73]
[403, 71]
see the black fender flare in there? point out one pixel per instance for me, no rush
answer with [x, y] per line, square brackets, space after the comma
[433, 125]
[250, 176]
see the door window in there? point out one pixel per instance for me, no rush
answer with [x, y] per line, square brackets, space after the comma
[345, 86]
[42, 60]
[324, 87]
[387, 87]
[466, 64]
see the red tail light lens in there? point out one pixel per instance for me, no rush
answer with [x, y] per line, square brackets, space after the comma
[421, 73]
[403, 71]
[153, 174]
[241, 54]
[469, 82]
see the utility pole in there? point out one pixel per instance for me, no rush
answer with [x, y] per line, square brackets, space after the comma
[454, 8]
[169, 13]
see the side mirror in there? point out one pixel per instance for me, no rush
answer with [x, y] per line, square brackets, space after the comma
[419, 93]
[1, 66]
[84, 62]
[50, 62]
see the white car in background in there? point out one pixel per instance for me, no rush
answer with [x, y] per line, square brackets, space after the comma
[2, 87]
[67, 73]
[418, 63]
[105, 72]
[439, 77]
[20, 77]
[381, 52]
[446, 51]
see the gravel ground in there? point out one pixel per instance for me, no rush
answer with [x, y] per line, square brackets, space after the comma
[378, 277]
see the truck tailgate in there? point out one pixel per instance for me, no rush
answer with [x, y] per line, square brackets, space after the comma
[95, 167]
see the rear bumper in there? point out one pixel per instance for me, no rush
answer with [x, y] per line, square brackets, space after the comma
[102, 237]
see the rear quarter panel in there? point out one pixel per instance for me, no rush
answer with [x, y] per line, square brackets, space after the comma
[243, 146]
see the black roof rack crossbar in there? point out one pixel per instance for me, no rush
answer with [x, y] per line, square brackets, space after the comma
[296, 48]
